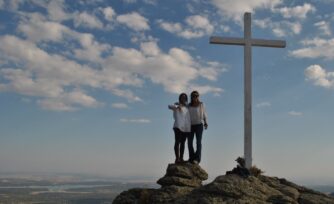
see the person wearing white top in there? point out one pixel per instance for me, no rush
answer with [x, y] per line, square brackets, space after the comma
[181, 127]
[198, 118]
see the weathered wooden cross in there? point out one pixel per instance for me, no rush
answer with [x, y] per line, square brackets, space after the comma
[248, 42]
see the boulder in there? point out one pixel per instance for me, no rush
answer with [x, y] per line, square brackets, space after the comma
[179, 180]
[135, 195]
[184, 174]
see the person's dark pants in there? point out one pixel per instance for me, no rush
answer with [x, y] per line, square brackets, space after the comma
[180, 140]
[198, 131]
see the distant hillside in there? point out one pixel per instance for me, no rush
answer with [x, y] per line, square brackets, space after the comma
[182, 184]
[322, 188]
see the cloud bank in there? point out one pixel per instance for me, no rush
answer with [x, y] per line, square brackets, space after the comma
[59, 65]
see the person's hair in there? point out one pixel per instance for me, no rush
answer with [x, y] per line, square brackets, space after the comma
[183, 94]
[193, 93]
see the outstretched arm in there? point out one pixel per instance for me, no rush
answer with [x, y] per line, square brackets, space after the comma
[173, 107]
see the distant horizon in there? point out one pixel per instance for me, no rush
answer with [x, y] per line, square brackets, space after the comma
[149, 179]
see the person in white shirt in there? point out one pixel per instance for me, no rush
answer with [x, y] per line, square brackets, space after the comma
[181, 126]
[198, 118]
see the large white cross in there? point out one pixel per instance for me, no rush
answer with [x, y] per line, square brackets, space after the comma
[248, 42]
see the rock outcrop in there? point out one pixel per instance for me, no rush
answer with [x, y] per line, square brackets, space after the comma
[183, 175]
[262, 189]
[179, 180]
[182, 184]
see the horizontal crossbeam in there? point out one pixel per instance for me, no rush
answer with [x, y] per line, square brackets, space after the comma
[227, 41]
[254, 42]
[269, 43]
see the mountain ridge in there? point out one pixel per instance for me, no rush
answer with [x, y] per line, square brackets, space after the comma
[182, 184]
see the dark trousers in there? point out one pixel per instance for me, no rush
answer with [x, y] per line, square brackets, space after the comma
[180, 140]
[198, 131]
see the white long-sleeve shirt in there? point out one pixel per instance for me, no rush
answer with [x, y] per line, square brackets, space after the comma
[197, 114]
[181, 118]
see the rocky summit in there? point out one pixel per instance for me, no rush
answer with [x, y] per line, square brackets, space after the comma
[182, 184]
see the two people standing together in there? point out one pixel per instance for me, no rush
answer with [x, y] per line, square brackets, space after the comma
[189, 121]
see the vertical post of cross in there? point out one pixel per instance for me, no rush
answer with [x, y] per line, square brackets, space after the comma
[248, 91]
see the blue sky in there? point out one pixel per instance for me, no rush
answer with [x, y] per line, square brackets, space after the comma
[84, 85]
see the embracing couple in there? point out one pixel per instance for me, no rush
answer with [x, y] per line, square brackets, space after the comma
[189, 122]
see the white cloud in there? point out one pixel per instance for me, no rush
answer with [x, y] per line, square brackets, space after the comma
[263, 104]
[37, 28]
[81, 98]
[170, 27]
[51, 76]
[175, 70]
[295, 113]
[45, 75]
[315, 48]
[59, 79]
[211, 70]
[2, 4]
[119, 105]
[296, 27]
[85, 19]
[90, 50]
[139, 120]
[281, 28]
[204, 89]
[295, 12]
[199, 22]
[235, 9]
[324, 27]
[195, 26]
[21, 81]
[69, 101]
[109, 13]
[285, 28]
[55, 98]
[319, 76]
[150, 48]
[262, 23]
[134, 21]
[130, 1]
[55, 105]
[56, 10]
[225, 28]
[125, 93]
[152, 2]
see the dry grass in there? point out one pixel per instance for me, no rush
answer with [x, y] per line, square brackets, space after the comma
[254, 171]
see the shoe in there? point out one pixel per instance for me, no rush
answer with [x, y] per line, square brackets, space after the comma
[195, 162]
